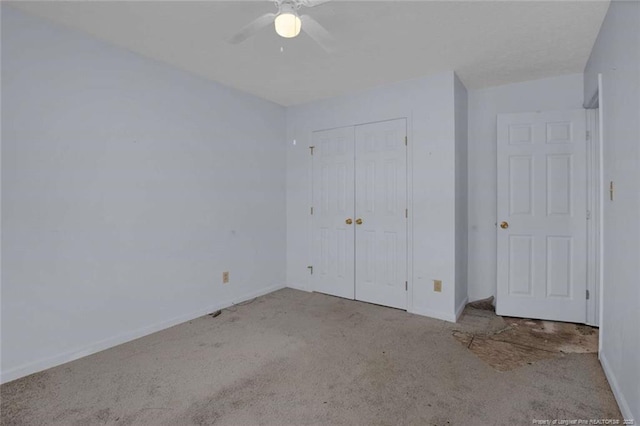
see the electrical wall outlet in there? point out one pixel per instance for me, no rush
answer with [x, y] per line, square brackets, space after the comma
[225, 277]
[437, 285]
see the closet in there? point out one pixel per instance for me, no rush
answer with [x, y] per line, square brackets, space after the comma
[359, 212]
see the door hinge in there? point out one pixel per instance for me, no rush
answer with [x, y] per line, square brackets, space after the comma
[588, 135]
[587, 294]
[310, 268]
[611, 190]
[311, 209]
[406, 212]
[588, 214]
[406, 286]
[406, 141]
[311, 148]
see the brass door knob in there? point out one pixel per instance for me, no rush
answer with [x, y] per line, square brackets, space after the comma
[504, 225]
[359, 221]
[348, 221]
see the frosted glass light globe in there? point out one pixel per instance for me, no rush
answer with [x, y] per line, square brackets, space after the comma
[288, 24]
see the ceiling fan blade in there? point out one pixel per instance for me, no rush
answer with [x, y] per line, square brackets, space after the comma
[318, 33]
[252, 28]
[313, 3]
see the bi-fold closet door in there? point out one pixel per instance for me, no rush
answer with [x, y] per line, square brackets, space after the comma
[359, 219]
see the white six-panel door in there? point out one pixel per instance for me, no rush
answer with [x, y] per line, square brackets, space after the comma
[381, 200]
[333, 205]
[359, 232]
[542, 207]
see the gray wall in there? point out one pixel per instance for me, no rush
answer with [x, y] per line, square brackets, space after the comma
[616, 54]
[128, 187]
[557, 93]
[428, 105]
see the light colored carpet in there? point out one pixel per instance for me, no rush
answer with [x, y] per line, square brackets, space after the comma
[296, 358]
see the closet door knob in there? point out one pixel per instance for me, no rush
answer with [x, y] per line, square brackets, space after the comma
[348, 221]
[504, 225]
[359, 221]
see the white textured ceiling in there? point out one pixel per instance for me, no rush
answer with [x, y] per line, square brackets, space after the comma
[487, 43]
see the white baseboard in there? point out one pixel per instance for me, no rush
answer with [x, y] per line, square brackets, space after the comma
[36, 366]
[299, 287]
[460, 308]
[434, 314]
[617, 392]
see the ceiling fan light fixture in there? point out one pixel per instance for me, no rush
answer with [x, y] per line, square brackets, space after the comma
[287, 23]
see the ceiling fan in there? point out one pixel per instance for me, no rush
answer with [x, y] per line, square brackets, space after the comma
[288, 23]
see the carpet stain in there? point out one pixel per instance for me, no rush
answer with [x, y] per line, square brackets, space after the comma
[237, 396]
[204, 413]
[524, 341]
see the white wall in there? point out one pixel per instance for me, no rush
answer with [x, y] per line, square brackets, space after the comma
[127, 188]
[616, 54]
[428, 104]
[461, 196]
[558, 93]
